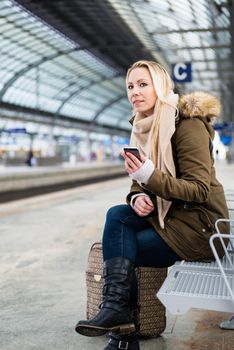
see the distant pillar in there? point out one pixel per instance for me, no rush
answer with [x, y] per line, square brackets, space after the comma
[88, 147]
[112, 147]
[32, 136]
[52, 143]
[100, 152]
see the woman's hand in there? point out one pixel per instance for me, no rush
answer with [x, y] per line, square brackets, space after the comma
[132, 163]
[143, 205]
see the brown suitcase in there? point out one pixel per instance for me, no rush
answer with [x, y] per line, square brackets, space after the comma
[152, 312]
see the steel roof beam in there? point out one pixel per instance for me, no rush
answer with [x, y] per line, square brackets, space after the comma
[209, 60]
[160, 58]
[221, 70]
[34, 65]
[92, 83]
[107, 105]
[213, 78]
[215, 47]
[112, 46]
[9, 111]
[91, 22]
[192, 30]
[23, 71]
[217, 52]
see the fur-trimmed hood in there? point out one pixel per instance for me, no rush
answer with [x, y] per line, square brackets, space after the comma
[199, 104]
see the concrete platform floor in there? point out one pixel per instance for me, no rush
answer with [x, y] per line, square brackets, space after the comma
[43, 252]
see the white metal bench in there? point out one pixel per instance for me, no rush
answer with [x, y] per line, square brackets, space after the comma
[204, 285]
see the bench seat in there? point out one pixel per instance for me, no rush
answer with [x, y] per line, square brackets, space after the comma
[194, 287]
[205, 285]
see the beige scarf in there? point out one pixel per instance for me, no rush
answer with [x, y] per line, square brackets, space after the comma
[164, 127]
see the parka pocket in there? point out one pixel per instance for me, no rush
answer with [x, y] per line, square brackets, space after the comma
[206, 219]
[193, 228]
[201, 215]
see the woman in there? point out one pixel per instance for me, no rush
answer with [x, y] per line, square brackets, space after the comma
[173, 203]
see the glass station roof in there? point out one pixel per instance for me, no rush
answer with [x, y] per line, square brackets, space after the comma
[198, 31]
[43, 69]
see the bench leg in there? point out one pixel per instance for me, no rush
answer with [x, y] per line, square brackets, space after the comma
[228, 324]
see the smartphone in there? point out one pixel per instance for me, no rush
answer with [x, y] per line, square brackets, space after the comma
[134, 151]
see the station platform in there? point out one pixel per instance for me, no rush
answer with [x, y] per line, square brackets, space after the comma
[21, 178]
[45, 242]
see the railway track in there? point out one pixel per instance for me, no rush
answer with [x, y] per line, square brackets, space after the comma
[9, 196]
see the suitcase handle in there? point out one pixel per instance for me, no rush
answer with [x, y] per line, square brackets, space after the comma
[96, 244]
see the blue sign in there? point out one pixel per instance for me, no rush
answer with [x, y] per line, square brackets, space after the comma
[16, 131]
[226, 139]
[182, 72]
[225, 126]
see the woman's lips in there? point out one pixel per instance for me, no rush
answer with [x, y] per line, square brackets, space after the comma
[137, 102]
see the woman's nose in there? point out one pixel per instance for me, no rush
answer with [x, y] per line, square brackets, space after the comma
[135, 91]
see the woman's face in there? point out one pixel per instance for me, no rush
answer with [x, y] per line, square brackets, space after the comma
[141, 92]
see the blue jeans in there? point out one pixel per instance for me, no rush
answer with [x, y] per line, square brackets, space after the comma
[128, 235]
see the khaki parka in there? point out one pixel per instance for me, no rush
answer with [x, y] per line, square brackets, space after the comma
[197, 196]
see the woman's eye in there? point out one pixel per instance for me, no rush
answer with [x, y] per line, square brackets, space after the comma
[130, 87]
[143, 84]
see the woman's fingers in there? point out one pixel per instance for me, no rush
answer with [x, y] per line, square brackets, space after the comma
[132, 163]
[144, 202]
[142, 212]
[133, 160]
[148, 201]
[141, 207]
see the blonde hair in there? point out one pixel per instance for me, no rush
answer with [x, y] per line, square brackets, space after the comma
[163, 85]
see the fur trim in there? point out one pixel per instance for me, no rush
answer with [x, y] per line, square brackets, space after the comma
[199, 104]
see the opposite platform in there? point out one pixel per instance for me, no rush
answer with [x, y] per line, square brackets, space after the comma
[28, 178]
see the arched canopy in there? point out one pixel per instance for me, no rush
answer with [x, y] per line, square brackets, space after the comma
[69, 59]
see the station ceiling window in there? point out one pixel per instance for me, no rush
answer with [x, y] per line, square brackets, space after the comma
[69, 59]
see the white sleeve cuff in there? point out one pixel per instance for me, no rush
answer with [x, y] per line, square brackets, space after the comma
[135, 196]
[143, 174]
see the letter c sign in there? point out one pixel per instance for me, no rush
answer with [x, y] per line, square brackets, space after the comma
[182, 72]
